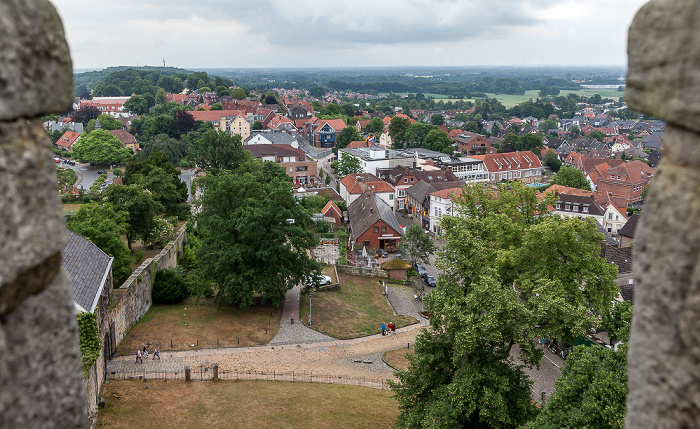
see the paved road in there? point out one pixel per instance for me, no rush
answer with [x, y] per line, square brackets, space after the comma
[87, 174]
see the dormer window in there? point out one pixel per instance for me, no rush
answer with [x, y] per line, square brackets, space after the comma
[558, 206]
[567, 207]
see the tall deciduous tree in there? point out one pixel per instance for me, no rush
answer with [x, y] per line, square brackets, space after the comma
[551, 160]
[183, 123]
[439, 141]
[437, 119]
[137, 105]
[346, 135]
[347, 164]
[572, 177]
[416, 245]
[254, 235]
[109, 122]
[99, 147]
[84, 114]
[376, 125]
[216, 151]
[140, 205]
[512, 275]
[397, 128]
[104, 227]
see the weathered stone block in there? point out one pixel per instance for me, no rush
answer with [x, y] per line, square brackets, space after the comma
[664, 62]
[32, 228]
[36, 75]
[40, 362]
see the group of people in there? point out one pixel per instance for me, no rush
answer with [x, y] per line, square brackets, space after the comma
[390, 328]
[143, 353]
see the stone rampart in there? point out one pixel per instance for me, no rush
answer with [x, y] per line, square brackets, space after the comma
[361, 271]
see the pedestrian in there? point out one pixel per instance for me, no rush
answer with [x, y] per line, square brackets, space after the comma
[138, 356]
[383, 329]
[309, 320]
[145, 354]
[143, 348]
[155, 353]
[292, 318]
[393, 328]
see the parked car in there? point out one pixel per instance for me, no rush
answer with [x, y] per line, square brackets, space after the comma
[101, 172]
[57, 160]
[421, 270]
[319, 280]
[430, 280]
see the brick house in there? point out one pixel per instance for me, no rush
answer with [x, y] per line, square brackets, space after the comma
[302, 170]
[373, 223]
[354, 185]
[331, 210]
[473, 144]
[523, 165]
[67, 140]
[626, 181]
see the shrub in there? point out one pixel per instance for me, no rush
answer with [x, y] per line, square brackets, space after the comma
[89, 339]
[169, 287]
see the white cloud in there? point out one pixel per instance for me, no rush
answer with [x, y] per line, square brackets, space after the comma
[296, 33]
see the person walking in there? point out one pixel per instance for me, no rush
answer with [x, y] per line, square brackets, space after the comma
[292, 318]
[309, 320]
[138, 356]
[392, 327]
[383, 329]
[155, 353]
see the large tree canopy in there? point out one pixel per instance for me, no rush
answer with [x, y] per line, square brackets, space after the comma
[347, 135]
[216, 151]
[512, 274]
[99, 147]
[140, 205]
[254, 235]
[416, 245]
[572, 177]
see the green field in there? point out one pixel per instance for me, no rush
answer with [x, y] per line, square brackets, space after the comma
[513, 100]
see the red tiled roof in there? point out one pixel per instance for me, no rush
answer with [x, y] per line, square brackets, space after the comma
[509, 161]
[67, 139]
[330, 205]
[634, 170]
[361, 182]
[214, 115]
[359, 144]
[566, 190]
[447, 193]
[124, 136]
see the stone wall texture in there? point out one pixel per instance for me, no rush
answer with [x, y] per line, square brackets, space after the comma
[39, 354]
[361, 271]
[664, 354]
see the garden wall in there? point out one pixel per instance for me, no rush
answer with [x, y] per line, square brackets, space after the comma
[360, 271]
[133, 298]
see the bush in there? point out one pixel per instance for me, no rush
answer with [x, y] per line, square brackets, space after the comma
[169, 287]
[173, 220]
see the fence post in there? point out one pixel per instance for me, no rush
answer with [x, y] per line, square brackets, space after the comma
[216, 371]
[187, 373]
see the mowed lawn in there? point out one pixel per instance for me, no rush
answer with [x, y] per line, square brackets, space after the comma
[357, 309]
[205, 325]
[397, 358]
[244, 404]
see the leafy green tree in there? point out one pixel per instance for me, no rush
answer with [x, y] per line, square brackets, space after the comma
[99, 147]
[572, 177]
[551, 160]
[217, 106]
[598, 135]
[216, 151]
[140, 206]
[618, 322]
[109, 122]
[222, 91]
[104, 227]
[416, 133]
[347, 164]
[239, 93]
[575, 130]
[137, 105]
[174, 149]
[439, 141]
[462, 117]
[437, 119]
[416, 245]
[254, 235]
[590, 392]
[397, 128]
[345, 136]
[168, 287]
[161, 96]
[546, 125]
[531, 142]
[257, 125]
[511, 276]
[158, 175]
[376, 125]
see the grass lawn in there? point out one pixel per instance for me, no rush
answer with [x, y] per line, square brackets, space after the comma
[244, 404]
[397, 358]
[206, 323]
[356, 310]
[71, 207]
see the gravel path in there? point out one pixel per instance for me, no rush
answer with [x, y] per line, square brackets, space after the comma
[298, 333]
[403, 302]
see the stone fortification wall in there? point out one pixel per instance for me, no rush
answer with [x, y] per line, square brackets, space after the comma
[133, 298]
[39, 354]
[361, 271]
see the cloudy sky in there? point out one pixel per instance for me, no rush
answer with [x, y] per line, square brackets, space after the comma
[331, 33]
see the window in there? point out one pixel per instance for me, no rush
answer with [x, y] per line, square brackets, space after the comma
[376, 229]
[436, 211]
[609, 216]
[567, 207]
[391, 197]
[383, 230]
[585, 209]
[575, 208]
[618, 177]
[558, 206]
[303, 168]
[402, 193]
[617, 217]
[366, 243]
[405, 180]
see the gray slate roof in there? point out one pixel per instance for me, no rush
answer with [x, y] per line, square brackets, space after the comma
[421, 190]
[630, 227]
[88, 268]
[367, 209]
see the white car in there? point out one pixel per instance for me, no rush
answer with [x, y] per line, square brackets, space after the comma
[319, 280]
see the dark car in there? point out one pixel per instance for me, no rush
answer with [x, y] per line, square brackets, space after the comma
[430, 280]
[101, 172]
[421, 270]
